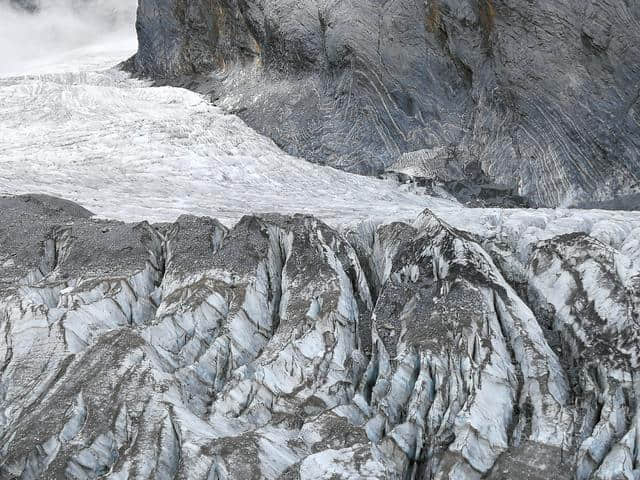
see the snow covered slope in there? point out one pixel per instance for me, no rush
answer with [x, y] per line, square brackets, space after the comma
[129, 151]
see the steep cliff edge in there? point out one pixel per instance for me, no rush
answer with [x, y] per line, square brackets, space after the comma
[541, 96]
[281, 348]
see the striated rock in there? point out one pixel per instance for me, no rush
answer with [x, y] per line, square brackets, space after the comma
[283, 349]
[541, 95]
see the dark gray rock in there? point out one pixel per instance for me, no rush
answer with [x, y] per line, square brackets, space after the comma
[25, 248]
[542, 95]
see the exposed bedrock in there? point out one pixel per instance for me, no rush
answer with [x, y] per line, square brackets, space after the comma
[284, 349]
[538, 96]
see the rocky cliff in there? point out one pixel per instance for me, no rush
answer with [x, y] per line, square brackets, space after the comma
[537, 95]
[284, 349]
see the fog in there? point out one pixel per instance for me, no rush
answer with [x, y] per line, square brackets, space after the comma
[63, 29]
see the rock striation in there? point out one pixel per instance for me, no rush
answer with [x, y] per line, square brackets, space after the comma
[282, 348]
[540, 96]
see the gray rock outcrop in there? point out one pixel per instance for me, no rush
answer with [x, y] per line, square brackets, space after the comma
[541, 96]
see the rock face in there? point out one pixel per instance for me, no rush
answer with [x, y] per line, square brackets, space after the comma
[539, 95]
[283, 349]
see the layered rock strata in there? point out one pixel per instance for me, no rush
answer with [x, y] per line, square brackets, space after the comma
[539, 96]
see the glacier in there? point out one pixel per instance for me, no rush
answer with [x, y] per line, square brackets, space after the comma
[73, 126]
[205, 306]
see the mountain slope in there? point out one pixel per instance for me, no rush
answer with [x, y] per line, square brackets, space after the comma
[541, 96]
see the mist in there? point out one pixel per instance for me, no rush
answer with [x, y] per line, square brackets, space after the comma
[61, 28]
